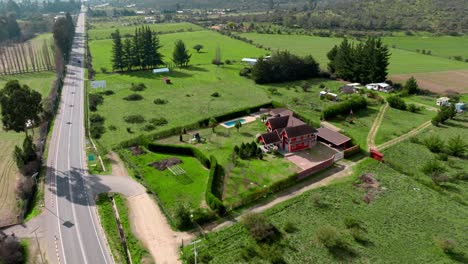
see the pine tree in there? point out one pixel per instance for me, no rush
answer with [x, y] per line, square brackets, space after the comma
[157, 57]
[331, 55]
[344, 60]
[180, 56]
[382, 57]
[117, 51]
[127, 55]
[411, 86]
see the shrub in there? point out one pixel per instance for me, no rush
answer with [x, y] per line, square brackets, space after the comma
[352, 223]
[273, 90]
[413, 108]
[329, 237]
[434, 143]
[149, 127]
[94, 101]
[448, 246]
[290, 227]
[158, 121]
[138, 87]
[456, 146]
[160, 101]
[96, 128]
[433, 168]
[96, 118]
[215, 94]
[103, 69]
[107, 92]
[318, 201]
[11, 250]
[359, 235]
[245, 72]
[182, 218]
[133, 97]
[354, 103]
[396, 102]
[112, 128]
[228, 62]
[248, 252]
[260, 228]
[134, 119]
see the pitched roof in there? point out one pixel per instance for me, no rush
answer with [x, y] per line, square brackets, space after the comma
[271, 137]
[332, 136]
[301, 130]
[281, 112]
[278, 122]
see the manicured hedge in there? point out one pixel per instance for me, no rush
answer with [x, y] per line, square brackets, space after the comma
[354, 103]
[180, 150]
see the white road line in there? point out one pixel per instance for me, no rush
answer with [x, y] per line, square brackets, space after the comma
[69, 181]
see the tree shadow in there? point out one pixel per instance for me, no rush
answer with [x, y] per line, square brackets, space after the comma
[145, 74]
[196, 68]
[246, 134]
[458, 256]
[343, 252]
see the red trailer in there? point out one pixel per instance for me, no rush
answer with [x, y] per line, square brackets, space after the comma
[375, 154]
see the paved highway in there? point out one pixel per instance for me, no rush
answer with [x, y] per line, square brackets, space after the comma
[73, 232]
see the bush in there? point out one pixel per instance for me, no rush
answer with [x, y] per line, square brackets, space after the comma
[354, 103]
[104, 70]
[396, 102]
[134, 119]
[96, 128]
[215, 94]
[448, 246]
[158, 121]
[160, 101]
[413, 108]
[290, 227]
[352, 223]
[434, 143]
[138, 87]
[107, 92]
[94, 101]
[149, 127]
[456, 146]
[433, 168]
[260, 228]
[182, 218]
[133, 97]
[11, 250]
[329, 237]
[245, 72]
[318, 201]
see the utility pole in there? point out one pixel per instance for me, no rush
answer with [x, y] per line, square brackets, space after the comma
[195, 252]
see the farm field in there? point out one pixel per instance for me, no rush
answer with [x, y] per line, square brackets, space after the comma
[397, 122]
[401, 61]
[138, 253]
[443, 46]
[248, 175]
[438, 82]
[8, 208]
[103, 30]
[173, 190]
[401, 223]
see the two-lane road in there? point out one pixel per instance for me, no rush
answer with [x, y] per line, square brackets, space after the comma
[73, 232]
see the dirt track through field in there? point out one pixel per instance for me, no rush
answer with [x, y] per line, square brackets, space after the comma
[8, 176]
[438, 82]
[405, 136]
[375, 126]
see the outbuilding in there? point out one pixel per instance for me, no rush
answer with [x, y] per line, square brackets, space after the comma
[443, 101]
[333, 138]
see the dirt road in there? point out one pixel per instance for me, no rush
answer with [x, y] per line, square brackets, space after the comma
[405, 136]
[375, 126]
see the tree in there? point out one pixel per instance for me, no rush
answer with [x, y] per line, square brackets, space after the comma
[238, 125]
[411, 86]
[212, 123]
[217, 59]
[396, 102]
[63, 32]
[20, 106]
[117, 51]
[331, 55]
[127, 54]
[11, 250]
[198, 47]
[14, 31]
[180, 56]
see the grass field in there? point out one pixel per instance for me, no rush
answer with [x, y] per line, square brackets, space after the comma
[397, 122]
[138, 253]
[248, 175]
[40, 82]
[401, 61]
[400, 225]
[172, 190]
[103, 30]
[443, 46]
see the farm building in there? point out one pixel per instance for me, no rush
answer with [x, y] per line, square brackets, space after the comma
[162, 70]
[351, 88]
[460, 107]
[333, 138]
[443, 101]
[250, 61]
[382, 87]
[329, 96]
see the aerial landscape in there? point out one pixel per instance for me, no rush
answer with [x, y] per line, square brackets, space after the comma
[215, 131]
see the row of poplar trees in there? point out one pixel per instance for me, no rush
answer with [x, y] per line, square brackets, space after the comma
[363, 62]
[141, 50]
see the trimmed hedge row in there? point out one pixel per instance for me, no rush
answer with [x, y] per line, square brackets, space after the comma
[215, 184]
[198, 124]
[344, 108]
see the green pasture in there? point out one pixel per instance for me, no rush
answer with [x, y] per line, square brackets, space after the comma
[248, 175]
[173, 190]
[103, 30]
[231, 49]
[400, 224]
[39, 81]
[401, 61]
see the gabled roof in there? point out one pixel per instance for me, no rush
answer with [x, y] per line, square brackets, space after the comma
[332, 136]
[281, 112]
[298, 131]
[271, 137]
[278, 122]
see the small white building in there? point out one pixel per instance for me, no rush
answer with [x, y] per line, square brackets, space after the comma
[382, 87]
[329, 96]
[162, 70]
[443, 101]
[250, 61]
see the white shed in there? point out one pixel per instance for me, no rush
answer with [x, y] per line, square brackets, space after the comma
[443, 101]
[162, 70]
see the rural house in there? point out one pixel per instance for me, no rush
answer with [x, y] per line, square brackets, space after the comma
[382, 87]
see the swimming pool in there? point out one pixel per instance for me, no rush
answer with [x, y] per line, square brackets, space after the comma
[233, 122]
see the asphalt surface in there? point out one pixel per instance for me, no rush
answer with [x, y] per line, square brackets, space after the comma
[73, 232]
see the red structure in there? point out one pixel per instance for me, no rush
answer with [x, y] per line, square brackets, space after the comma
[167, 80]
[375, 154]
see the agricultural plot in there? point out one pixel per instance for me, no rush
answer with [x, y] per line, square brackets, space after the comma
[400, 223]
[9, 172]
[438, 82]
[246, 176]
[104, 30]
[401, 61]
[173, 190]
[33, 56]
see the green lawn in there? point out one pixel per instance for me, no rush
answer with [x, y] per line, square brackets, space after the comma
[401, 61]
[443, 46]
[41, 81]
[109, 224]
[103, 30]
[173, 190]
[401, 225]
[397, 122]
[248, 175]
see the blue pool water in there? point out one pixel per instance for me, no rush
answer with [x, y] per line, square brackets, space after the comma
[233, 122]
